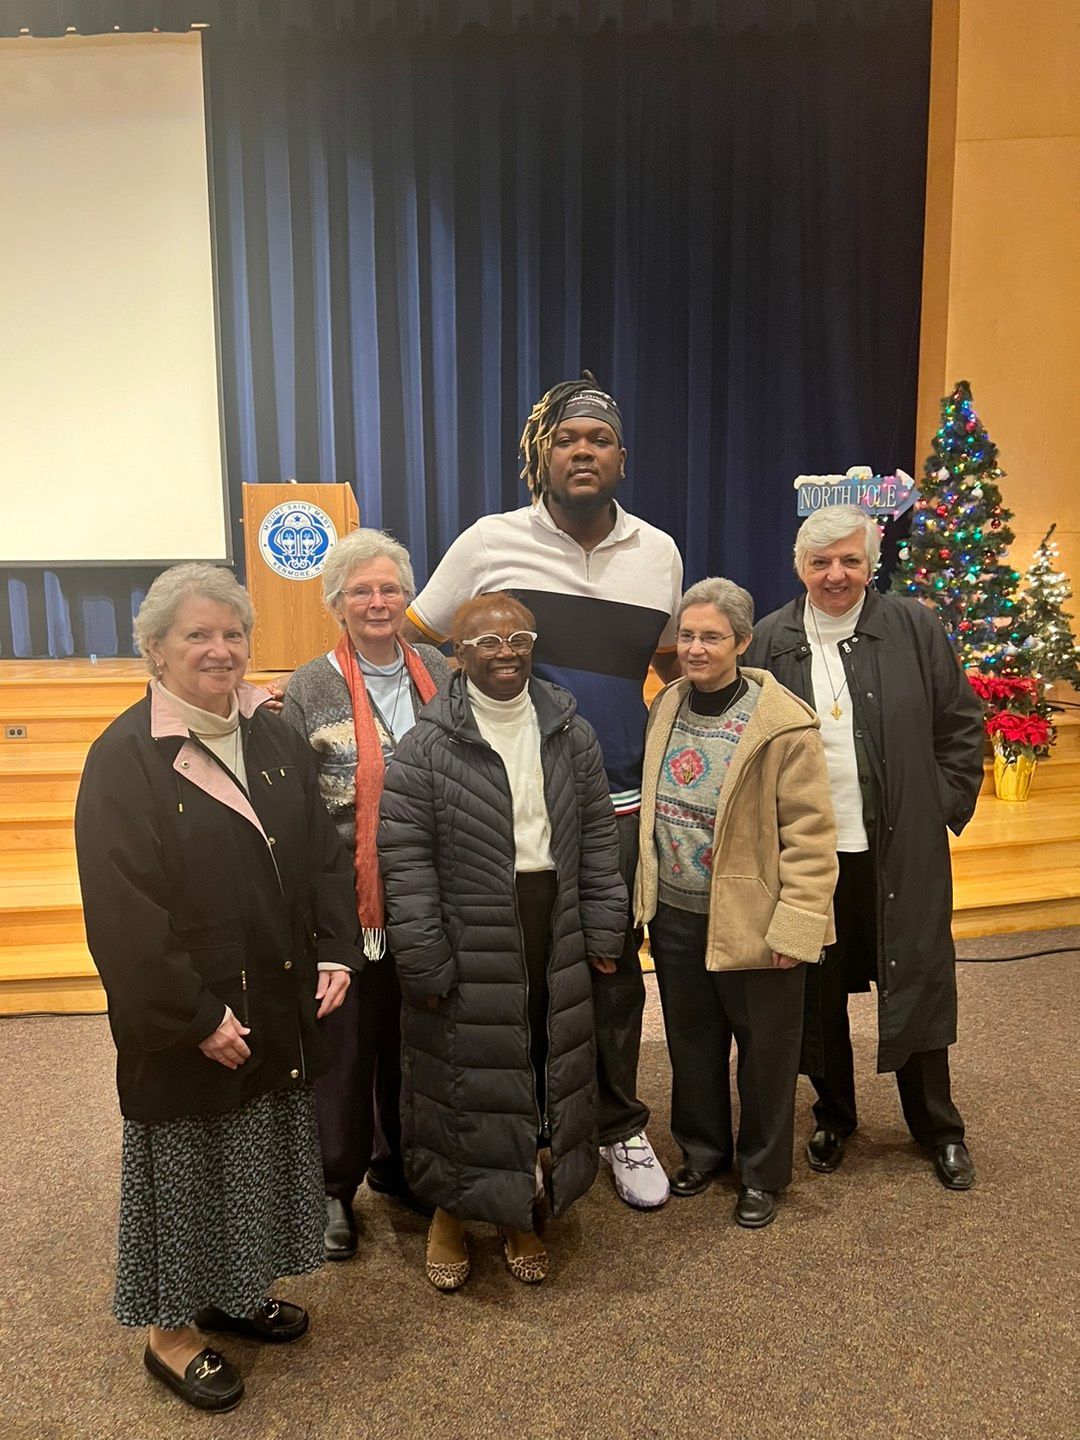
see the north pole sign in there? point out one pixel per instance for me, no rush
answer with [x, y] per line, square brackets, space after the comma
[876, 494]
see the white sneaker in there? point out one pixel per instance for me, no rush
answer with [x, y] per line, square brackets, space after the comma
[639, 1176]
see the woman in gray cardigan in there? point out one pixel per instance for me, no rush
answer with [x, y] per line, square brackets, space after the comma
[353, 705]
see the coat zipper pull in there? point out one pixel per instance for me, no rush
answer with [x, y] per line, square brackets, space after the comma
[266, 777]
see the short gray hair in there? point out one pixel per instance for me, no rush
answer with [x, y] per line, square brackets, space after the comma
[730, 600]
[169, 591]
[832, 523]
[358, 548]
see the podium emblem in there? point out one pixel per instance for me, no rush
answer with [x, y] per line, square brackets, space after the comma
[294, 539]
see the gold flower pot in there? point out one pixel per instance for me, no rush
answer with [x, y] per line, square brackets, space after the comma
[1012, 778]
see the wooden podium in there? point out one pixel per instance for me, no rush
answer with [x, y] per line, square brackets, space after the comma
[287, 531]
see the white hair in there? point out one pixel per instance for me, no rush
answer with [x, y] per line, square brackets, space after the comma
[832, 523]
[358, 548]
[169, 591]
[728, 599]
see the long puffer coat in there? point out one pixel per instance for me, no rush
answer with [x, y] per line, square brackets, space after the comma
[921, 726]
[446, 847]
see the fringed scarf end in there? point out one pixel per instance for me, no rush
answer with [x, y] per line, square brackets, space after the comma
[374, 943]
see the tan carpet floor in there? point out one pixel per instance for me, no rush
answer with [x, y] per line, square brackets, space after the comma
[877, 1305]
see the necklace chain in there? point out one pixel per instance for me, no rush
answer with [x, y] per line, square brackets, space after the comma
[836, 711]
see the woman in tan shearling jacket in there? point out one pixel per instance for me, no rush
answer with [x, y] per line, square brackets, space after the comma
[735, 879]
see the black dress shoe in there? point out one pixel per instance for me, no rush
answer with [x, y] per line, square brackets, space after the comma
[396, 1188]
[208, 1383]
[687, 1181]
[275, 1321]
[339, 1237]
[824, 1151]
[955, 1167]
[755, 1208]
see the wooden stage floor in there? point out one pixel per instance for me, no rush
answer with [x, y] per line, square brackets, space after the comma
[1016, 867]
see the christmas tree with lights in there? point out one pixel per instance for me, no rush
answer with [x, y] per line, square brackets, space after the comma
[1054, 650]
[955, 555]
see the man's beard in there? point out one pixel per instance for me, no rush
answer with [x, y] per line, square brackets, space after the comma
[581, 507]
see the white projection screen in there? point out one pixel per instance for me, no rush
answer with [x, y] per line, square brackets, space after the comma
[110, 432]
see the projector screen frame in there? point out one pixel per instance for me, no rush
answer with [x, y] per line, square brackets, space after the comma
[231, 521]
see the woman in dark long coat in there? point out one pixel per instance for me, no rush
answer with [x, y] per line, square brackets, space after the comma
[904, 743]
[215, 890]
[500, 857]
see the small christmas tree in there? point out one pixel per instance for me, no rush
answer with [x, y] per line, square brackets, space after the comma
[1054, 650]
[954, 557]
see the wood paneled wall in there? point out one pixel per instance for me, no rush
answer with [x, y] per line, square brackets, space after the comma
[1001, 279]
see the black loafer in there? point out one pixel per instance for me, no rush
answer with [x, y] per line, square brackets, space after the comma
[275, 1321]
[399, 1191]
[339, 1237]
[954, 1166]
[687, 1181]
[824, 1151]
[755, 1209]
[208, 1383]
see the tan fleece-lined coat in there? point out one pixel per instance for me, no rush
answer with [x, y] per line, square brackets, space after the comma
[774, 845]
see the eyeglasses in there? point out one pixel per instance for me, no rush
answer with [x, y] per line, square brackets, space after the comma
[521, 642]
[364, 594]
[710, 639]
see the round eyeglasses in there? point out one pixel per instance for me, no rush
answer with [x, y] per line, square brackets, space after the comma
[521, 642]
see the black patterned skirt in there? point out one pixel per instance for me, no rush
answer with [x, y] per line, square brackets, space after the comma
[215, 1208]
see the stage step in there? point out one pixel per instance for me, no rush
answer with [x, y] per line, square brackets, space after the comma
[57, 978]
[41, 825]
[1004, 838]
[48, 771]
[1041, 900]
[83, 723]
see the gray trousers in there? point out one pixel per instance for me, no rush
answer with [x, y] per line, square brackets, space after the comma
[703, 1011]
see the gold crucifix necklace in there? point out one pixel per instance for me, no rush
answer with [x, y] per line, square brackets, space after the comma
[836, 711]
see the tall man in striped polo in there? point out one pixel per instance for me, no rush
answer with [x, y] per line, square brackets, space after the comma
[603, 586]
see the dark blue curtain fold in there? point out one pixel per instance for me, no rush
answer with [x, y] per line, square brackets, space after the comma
[415, 237]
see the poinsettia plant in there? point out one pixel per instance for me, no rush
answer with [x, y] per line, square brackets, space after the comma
[1016, 717]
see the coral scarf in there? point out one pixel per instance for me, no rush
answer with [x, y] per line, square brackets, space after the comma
[370, 772]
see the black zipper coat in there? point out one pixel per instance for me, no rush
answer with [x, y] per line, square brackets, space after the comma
[446, 847]
[918, 726]
[189, 907]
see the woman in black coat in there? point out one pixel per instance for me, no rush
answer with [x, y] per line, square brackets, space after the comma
[500, 857]
[214, 889]
[904, 741]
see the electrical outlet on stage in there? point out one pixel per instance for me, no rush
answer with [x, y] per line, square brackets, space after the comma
[14, 732]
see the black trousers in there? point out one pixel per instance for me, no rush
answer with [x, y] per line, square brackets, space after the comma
[358, 1099]
[923, 1080]
[536, 900]
[703, 1010]
[618, 1005]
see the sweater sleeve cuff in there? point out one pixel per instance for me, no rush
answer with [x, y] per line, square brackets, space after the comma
[798, 933]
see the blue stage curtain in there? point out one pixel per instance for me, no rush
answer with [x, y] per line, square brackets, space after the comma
[416, 236]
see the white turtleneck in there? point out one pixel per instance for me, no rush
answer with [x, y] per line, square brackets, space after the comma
[824, 633]
[219, 733]
[512, 730]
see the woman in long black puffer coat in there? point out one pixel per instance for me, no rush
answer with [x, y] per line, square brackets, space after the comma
[500, 858]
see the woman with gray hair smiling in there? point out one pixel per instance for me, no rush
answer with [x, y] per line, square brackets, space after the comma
[208, 864]
[735, 881]
[352, 706]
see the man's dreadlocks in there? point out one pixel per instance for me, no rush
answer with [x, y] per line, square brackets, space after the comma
[545, 418]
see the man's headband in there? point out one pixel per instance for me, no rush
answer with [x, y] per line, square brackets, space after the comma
[594, 405]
